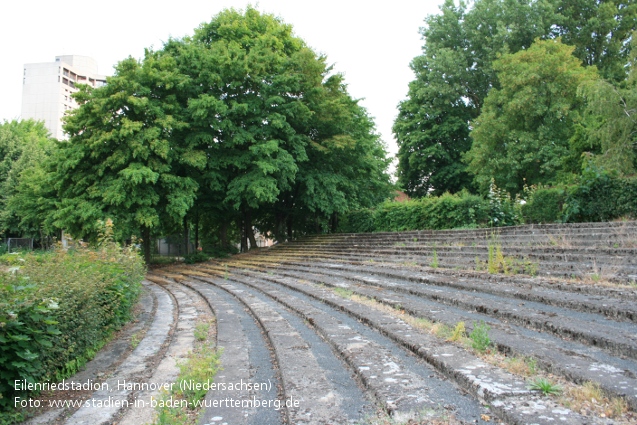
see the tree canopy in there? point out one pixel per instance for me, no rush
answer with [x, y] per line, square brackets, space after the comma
[523, 132]
[24, 148]
[456, 72]
[242, 118]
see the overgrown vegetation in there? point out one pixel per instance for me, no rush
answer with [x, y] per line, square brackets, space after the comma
[479, 336]
[58, 308]
[444, 212]
[596, 195]
[201, 366]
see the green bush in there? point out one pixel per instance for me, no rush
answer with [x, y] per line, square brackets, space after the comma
[196, 257]
[598, 196]
[601, 197]
[441, 212]
[544, 205]
[361, 221]
[58, 308]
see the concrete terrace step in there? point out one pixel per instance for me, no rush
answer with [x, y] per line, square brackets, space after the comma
[595, 270]
[611, 303]
[627, 258]
[573, 360]
[549, 235]
[554, 230]
[486, 382]
[135, 368]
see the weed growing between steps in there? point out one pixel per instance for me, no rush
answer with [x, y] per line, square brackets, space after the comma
[587, 398]
[498, 262]
[178, 407]
[58, 308]
[434, 260]
[479, 337]
[545, 386]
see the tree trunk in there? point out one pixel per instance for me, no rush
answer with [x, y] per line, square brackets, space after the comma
[334, 223]
[289, 226]
[244, 236]
[186, 239]
[223, 235]
[247, 220]
[197, 230]
[146, 243]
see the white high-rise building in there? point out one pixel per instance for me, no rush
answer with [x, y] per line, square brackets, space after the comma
[47, 88]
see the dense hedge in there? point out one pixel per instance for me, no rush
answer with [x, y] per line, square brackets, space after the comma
[58, 308]
[544, 205]
[443, 212]
[597, 197]
[601, 198]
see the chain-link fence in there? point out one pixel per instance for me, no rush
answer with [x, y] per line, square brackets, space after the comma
[170, 246]
[19, 244]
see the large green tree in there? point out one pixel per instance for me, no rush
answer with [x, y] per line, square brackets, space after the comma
[600, 30]
[279, 130]
[453, 77]
[120, 160]
[346, 166]
[25, 148]
[522, 135]
[455, 73]
[608, 131]
[220, 126]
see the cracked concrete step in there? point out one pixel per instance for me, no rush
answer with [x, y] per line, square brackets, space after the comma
[575, 362]
[378, 263]
[613, 257]
[182, 343]
[590, 329]
[399, 391]
[343, 332]
[602, 239]
[554, 234]
[539, 253]
[486, 382]
[554, 230]
[593, 270]
[612, 303]
[113, 396]
[317, 401]
[244, 357]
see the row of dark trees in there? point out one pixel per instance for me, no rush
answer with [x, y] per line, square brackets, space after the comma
[519, 92]
[240, 126]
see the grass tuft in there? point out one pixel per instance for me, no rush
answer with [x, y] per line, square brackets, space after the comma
[545, 386]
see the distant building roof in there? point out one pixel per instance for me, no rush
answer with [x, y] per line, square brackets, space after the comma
[400, 196]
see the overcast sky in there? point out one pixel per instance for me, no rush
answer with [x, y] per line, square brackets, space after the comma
[372, 45]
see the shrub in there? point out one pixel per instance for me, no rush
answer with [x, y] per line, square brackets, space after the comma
[601, 196]
[436, 212]
[361, 221]
[58, 308]
[196, 257]
[479, 337]
[598, 196]
[544, 205]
